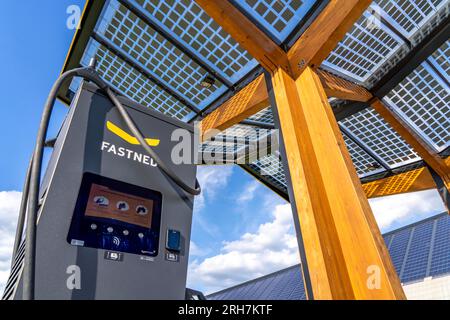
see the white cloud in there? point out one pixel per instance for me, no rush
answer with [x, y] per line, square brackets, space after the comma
[211, 179]
[398, 210]
[196, 251]
[249, 191]
[271, 248]
[9, 208]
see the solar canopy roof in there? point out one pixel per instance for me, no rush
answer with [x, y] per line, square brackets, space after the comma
[157, 52]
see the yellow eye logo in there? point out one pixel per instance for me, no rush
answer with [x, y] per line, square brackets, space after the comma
[128, 137]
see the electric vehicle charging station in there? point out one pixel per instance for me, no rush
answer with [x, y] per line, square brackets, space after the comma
[111, 224]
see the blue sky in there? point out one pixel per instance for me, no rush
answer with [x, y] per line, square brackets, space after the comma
[241, 230]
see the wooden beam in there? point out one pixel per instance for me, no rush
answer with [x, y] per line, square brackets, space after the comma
[250, 100]
[411, 181]
[254, 98]
[342, 243]
[248, 35]
[323, 35]
[413, 139]
[338, 87]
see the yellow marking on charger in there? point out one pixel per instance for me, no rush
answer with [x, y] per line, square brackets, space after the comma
[128, 137]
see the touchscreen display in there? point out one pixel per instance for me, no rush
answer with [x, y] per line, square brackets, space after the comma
[115, 215]
[103, 202]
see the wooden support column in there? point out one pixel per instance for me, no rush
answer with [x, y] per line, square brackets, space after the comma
[345, 255]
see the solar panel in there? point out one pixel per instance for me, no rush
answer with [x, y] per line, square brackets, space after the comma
[441, 59]
[165, 61]
[423, 100]
[298, 292]
[278, 17]
[261, 287]
[418, 252]
[363, 50]
[440, 263]
[271, 168]
[399, 245]
[188, 23]
[409, 15]
[387, 240]
[363, 162]
[371, 129]
[132, 83]
[383, 36]
[265, 116]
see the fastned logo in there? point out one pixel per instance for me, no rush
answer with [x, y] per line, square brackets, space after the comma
[127, 153]
[128, 137]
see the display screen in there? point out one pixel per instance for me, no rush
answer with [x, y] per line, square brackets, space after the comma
[104, 202]
[116, 215]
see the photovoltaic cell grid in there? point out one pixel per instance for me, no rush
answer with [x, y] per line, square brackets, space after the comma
[399, 244]
[441, 58]
[278, 17]
[219, 146]
[374, 132]
[132, 83]
[160, 57]
[387, 239]
[265, 116]
[410, 15]
[271, 168]
[418, 254]
[185, 20]
[424, 101]
[371, 48]
[417, 251]
[363, 50]
[278, 286]
[364, 163]
[440, 262]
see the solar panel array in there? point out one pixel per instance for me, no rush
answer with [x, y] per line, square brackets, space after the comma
[157, 52]
[417, 251]
[277, 17]
[422, 99]
[277, 286]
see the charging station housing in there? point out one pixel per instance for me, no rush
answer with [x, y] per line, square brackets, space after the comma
[111, 225]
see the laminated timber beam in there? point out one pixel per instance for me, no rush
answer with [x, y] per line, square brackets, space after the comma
[324, 33]
[254, 98]
[342, 245]
[239, 107]
[410, 181]
[340, 88]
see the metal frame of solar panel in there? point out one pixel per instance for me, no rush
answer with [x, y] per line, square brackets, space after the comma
[158, 52]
